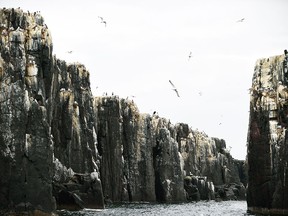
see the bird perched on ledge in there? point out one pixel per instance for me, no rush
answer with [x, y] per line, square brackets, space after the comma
[174, 88]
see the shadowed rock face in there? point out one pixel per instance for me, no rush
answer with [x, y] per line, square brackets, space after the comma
[47, 122]
[267, 137]
[62, 148]
[146, 158]
[26, 146]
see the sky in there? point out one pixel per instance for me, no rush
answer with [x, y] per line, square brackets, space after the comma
[147, 43]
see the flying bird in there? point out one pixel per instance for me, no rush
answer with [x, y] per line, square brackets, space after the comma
[174, 88]
[104, 23]
[190, 56]
[102, 20]
[70, 52]
[241, 20]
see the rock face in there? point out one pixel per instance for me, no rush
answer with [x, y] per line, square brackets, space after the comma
[147, 158]
[47, 123]
[62, 148]
[267, 137]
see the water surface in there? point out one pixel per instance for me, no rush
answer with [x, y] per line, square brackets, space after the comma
[202, 208]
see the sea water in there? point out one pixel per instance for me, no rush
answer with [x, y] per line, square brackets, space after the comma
[202, 208]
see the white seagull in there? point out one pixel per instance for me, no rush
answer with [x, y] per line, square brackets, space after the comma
[241, 20]
[190, 56]
[102, 20]
[174, 88]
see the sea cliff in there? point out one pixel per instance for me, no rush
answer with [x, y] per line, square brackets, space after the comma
[63, 148]
[267, 138]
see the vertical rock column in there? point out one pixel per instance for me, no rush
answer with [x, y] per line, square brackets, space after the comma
[139, 158]
[25, 143]
[138, 142]
[75, 140]
[47, 122]
[110, 148]
[169, 181]
[267, 138]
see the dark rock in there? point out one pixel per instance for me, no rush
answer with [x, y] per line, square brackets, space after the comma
[168, 173]
[197, 188]
[62, 148]
[267, 138]
[44, 137]
[146, 158]
[69, 200]
[230, 192]
[126, 152]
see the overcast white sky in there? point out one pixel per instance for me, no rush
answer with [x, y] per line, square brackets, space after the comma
[146, 43]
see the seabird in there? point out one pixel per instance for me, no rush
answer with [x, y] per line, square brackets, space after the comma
[75, 104]
[69, 51]
[103, 21]
[174, 88]
[241, 20]
[190, 56]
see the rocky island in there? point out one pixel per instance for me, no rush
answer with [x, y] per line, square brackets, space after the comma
[63, 148]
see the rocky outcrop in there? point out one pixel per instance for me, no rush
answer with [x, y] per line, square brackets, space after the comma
[139, 160]
[73, 129]
[47, 122]
[147, 158]
[62, 148]
[267, 137]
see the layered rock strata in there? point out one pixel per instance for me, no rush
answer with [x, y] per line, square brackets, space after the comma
[62, 148]
[267, 137]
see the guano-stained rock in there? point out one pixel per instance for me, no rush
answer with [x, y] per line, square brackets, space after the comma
[267, 137]
[147, 158]
[62, 148]
[47, 122]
